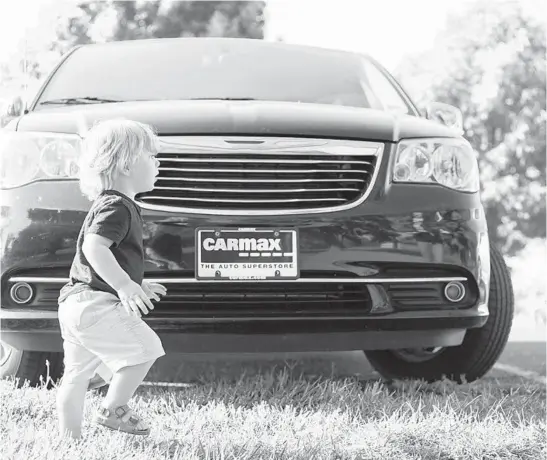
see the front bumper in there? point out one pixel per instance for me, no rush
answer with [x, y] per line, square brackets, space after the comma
[403, 243]
[31, 330]
[335, 314]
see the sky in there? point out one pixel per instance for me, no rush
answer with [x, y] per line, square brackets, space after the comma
[386, 29]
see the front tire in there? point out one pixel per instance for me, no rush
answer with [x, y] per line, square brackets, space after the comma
[479, 350]
[29, 366]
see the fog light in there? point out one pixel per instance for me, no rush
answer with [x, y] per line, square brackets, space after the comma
[454, 291]
[21, 292]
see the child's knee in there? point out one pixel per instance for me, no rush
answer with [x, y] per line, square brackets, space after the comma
[76, 378]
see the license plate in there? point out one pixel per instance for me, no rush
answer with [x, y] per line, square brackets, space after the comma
[246, 254]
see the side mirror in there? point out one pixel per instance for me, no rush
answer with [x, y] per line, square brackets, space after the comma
[15, 107]
[445, 114]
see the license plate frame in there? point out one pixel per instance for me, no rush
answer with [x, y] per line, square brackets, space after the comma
[273, 256]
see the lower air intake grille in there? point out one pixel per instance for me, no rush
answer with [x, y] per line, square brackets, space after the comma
[260, 300]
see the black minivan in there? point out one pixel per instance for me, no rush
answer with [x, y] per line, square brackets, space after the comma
[303, 204]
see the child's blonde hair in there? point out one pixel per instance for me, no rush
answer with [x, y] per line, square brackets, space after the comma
[110, 147]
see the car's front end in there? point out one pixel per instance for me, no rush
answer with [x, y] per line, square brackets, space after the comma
[274, 225]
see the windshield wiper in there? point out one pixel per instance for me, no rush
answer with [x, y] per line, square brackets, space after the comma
[80, 100]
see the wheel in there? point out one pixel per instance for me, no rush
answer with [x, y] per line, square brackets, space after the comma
[29, 365]
[479, 350]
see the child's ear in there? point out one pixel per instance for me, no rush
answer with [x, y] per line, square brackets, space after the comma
[125, 172]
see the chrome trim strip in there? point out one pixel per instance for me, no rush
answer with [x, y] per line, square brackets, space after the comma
[240, 200]
[265, 145]
[271, 146]
[268, 171]
[268, 161]
[38, 279]
[265, 181]
[369, 151]
[255, 190]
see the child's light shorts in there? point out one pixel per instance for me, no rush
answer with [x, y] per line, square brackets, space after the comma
[97, 329]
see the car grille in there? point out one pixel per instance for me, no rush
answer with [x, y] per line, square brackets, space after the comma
[261, 179]
[263, 300]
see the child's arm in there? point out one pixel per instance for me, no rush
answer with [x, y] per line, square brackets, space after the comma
[97, 251]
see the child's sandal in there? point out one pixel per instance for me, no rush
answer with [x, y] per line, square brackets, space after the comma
[121, 419]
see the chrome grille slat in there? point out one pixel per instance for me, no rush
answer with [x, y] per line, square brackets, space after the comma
[221, 200]
[276, 181]
[265, 171]
[268, 161]
[255, 152]
[258, 190]
[250, 175]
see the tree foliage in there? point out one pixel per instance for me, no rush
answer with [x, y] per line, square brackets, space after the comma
[122, 20]
[490, 62]
[99, 21]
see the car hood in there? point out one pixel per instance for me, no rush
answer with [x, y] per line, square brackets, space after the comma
[219, 117]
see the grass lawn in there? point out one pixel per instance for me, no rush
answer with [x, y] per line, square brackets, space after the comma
[280, 416]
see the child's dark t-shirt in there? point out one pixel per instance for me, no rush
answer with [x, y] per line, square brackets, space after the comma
[116, 217]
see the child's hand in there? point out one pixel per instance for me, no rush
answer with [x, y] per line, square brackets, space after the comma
[153, 289]
[134, 299]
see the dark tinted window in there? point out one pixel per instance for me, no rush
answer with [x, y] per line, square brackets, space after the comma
[208, 68]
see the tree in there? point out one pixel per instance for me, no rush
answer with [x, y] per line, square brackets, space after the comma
[159, 19]
[490, 62]
[77, 27]
[100, 21]
[189, 19]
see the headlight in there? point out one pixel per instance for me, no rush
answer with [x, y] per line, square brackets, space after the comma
[448, 162]
[30, 156]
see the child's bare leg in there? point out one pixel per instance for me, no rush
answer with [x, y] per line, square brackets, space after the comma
[70, 406]
[124, 384]
[80, 364]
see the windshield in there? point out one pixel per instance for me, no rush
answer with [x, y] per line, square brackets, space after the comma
[219, 69]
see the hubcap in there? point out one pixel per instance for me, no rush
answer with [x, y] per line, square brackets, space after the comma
[418, 355]
[5, 352]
